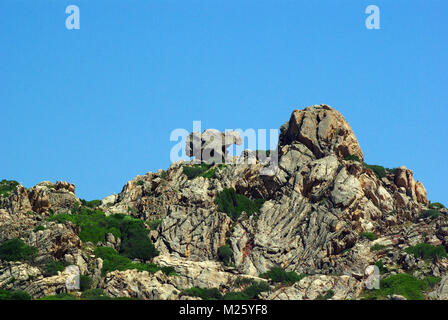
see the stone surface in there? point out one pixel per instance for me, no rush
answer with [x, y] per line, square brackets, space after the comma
[211, 145]
[317, 202]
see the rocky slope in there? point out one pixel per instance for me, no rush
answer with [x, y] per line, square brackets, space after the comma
[325, 215]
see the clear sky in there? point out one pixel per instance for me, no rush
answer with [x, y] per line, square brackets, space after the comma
[96, 106]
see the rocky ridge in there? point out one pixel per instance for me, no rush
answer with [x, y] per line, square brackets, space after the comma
[316, 208]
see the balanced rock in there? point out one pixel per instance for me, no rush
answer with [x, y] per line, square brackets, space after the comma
[211, 145]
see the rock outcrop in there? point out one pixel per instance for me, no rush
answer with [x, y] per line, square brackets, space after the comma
[211, 145]
[319, 200]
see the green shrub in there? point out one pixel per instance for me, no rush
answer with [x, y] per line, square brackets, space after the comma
[85, 282]
[169, 271]
[240, 281]
[235, 296]
[15, 250]
[368, 235]
[201, 170]
[60, 296]
[154, 224]
[431, 281]
[328, 295]
[95, 225]
[352, 157]
[402, 284]
[436, 205]
[139, 183]
[135, 242]
[39, 228]
[278, 275]
[75, 208]
[377, 247]
[94, 294]
[381, 267]
[431, 213]
[234, 204]
[225, 254]
[204, 294]
[426, 251]
[7, 186]
[91, 204]
[53, 267]
[14, 295]
[254, 290]
[196, 170]
[379, 171]
[114, 261]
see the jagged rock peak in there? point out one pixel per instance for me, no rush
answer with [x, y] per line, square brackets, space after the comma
[323, 130]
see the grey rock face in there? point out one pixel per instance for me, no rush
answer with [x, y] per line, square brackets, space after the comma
[317, 202]
[211, 145]
[315, 287]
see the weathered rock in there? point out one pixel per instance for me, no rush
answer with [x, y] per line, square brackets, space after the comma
[211, 145]
[442, 290]
[311, 287]
[193, 233]
[17, 275]
[142, 285]
[46, 196]
[416, 191]
[322, 130]
[318, 199]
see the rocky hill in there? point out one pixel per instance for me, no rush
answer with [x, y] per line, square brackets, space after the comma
[224, 231]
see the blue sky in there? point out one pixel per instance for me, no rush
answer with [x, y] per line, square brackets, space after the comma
[96, 106]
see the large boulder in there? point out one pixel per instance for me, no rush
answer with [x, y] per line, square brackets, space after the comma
[211, 145]
[323, 131]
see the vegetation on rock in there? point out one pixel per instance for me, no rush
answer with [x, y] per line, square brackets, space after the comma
[7, 186]
[426, 251]
[14, 295]
[113, 261]
[95, 225]
[225, 254]
[368, 235]
[279, 275]
[402, 284]
[16, 250]
[234, 204]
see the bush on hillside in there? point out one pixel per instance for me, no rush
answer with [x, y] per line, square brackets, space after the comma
[426, 251]
[53, 267]
[279, 275]
[95, 225]
[16, 250]
[402, 284]
[225, 254]
[204, 294]
[7, 187]
[234, 204]
[368, 235]
[14, 295]
[379, 171]
[114, 261]
[431, 214]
